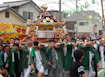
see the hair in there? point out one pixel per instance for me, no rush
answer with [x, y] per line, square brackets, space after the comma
[81, 39]
[7, 42]
[16, 44]
[72, 39]
[52, 41]
[6, 46]
[78, 54]
[12, 38]
[36, 43]
[1, 44]
[17, 39]
[64, 39]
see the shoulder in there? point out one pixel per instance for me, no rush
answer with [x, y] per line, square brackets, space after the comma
[24, 46]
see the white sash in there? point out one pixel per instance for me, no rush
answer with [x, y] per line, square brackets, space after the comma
[5, 58]
[13, 57]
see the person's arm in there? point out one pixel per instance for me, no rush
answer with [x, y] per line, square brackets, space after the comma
[83, 75]
[81, 71]
[25, 49]
[8, 59]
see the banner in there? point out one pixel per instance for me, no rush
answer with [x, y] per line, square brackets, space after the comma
[6, 28]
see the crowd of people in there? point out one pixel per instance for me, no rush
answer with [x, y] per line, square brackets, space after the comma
[76, 58]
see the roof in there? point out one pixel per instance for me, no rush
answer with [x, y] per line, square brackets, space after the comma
[79, 16]
[2, 9]
[18, 3]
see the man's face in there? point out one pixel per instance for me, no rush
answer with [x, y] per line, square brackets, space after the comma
[29, 42]
[102, 42]
[15, 48]
[52, 44]
[35, 46]
[81, 40]
[17, 41]
[7, 49]
[1, 41]
[1, 48]
[12, 41]
[91, 43]
[65, 41]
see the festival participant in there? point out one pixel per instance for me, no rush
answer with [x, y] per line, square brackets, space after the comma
[1, 63]
[41, 62]
[1, 40]
[12, 41]
[13, 61]
[6, 52]
[17, 40]
[101, 51]
[87, 39]
[71, 47]
[54, 57]
[63, 55]
[2, 57]
[26, 51]
[77, 69]
[90, 58]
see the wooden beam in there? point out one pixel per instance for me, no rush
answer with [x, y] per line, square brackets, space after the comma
[103, 13]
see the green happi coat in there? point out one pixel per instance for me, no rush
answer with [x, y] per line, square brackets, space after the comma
[1, 63]
[86, 61]
[11, 61]
[25, 57]
[58, 57]
[44, 60]
[69, 58]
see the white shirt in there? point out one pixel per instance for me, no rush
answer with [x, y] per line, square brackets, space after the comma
[65, 51]
[39, 65]
[101, 51]
[90, 59]
[95, 46]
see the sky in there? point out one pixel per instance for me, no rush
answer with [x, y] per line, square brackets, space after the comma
[67, 4]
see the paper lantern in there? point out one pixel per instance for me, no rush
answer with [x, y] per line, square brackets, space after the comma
[95, 18]
[73, 11]
[83, 15]
[70, 12]
[77, 10]
[101, 19]
[63, 11]
[81, 8]
[86, 5]
[93, 1]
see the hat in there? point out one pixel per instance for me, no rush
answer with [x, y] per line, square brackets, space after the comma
[1, 38]
[73, 40]
[28, 39]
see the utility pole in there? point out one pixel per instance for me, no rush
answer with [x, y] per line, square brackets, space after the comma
[102, 16]
[60, 10]
[76, 21]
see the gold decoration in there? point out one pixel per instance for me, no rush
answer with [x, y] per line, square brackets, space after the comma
[44, 7]
[28, 21]
[47, 18]
[44, 21]
[51, 20]
[54, 17]
[63, 21]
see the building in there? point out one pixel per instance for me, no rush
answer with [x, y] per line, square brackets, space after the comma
[84, 24]
[9, 15]
[26, 8]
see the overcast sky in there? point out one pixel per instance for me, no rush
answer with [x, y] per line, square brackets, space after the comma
[67, 4]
